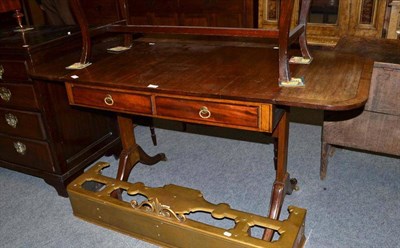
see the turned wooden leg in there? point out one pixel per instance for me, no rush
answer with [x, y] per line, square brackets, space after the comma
[153, 134]
[283, 184]
[150, 122]
[326, 151]
[276, 154]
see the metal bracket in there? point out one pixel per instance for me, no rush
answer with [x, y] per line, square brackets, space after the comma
[294, 82]
[118, 49]
[77, 66]
[300, 60]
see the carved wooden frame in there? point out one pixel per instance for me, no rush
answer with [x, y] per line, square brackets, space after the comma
[394, 24]
[348, 22]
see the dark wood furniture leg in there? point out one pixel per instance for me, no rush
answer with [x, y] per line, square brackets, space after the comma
[124, 15]
[305, 8]
[326, 151]
[132, 153]
[80, 16]
[150, 123]
[285, 18]
[283, 184]
[287, 36]
[153, 134]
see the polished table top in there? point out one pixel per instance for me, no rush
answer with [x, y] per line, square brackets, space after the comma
[232, 71]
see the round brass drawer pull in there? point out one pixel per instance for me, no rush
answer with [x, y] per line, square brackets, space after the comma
[108, 100]
[20, 147]
[5, 94]
[204, 113]
[1, 71]
[11, 120]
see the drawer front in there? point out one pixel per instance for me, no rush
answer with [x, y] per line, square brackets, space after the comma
[13, 70]
[109, 99]
[18, 95]
[208, 112]
[21, 123]
[33, 154]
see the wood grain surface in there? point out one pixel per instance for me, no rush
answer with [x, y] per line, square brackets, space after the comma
[334, 80]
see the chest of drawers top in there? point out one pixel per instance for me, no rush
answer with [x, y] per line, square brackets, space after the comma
[22, 51]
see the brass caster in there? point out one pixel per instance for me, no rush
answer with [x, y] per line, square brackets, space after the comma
[293, 183]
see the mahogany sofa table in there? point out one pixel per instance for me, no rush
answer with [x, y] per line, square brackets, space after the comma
[229, 84]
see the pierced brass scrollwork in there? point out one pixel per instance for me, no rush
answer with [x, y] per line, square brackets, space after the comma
[162, 215]
[20, 147]
[5, 94]
[11, 120]
[154, 206]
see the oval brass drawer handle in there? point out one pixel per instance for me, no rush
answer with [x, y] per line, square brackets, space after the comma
[11, 120]
[108, 100]
[20, 147]
[204, 113]
[1, 71]
[5, 94]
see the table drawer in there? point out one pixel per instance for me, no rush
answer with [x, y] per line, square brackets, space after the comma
[109, 99]
[13, 70]
[230, 114]
[22, 123]
[18, 95]
[29, 153]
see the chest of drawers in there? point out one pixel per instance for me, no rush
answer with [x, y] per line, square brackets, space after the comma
[39, 131]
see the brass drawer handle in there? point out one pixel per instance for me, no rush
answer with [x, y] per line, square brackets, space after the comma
[11, 120]
[108, 100]
[5, 94]
[20, 147]
[204, 113]
[1, 71]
